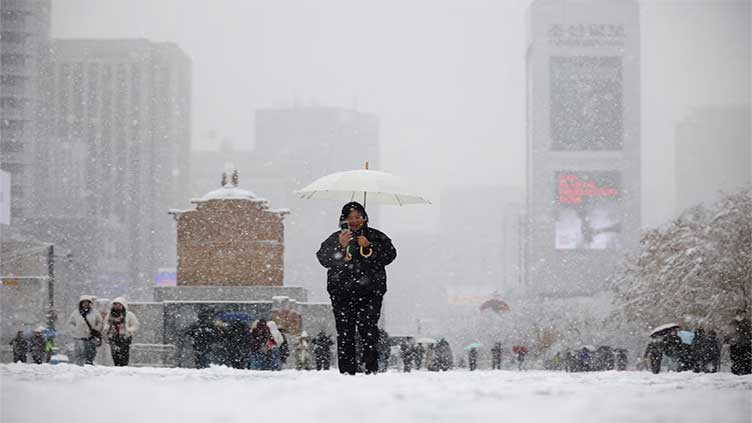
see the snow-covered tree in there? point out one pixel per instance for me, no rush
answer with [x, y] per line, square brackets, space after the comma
[697, 270]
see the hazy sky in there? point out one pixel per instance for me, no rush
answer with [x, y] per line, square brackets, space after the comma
[446, 78]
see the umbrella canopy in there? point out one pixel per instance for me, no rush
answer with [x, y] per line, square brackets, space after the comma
[686, 336]
[425, 341]
[494, 304]
[361, 186]
[472, 346]
[230, 316]
[588, 347]
[663, 329]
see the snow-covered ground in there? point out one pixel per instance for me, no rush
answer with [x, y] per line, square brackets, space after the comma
[66, 393]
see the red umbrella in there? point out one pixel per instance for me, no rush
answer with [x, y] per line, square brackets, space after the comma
[494, 304]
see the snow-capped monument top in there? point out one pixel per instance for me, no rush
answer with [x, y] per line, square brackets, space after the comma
[231, 238]
[229, 191]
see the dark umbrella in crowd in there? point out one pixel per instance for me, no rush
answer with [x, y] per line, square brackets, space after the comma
[494, 304]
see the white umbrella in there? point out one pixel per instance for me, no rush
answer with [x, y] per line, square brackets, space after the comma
[425, 341]
[664, 328]
[362, 185]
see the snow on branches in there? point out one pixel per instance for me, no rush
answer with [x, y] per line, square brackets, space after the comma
[697, 269]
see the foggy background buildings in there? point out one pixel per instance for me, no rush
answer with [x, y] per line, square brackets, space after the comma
[434, 91]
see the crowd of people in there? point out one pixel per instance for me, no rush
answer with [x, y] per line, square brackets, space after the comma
[433, 357]
[589, 359]
[258, 345]
[114, 326]
[700, 350]
[39, 345]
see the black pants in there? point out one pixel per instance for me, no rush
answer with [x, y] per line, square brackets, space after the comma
[741, 359]
[496, 363]
[361, 314]
[121, 350]
[655, 363]
[322, 362]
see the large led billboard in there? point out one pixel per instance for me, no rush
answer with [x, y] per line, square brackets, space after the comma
[588, 210]
[586, 103]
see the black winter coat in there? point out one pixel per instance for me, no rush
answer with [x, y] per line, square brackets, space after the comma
[361, 275]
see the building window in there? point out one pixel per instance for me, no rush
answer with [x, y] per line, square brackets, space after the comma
[12, 17]
[13, 168]
[11, 125]
[13, 59]
[11, 147]
[12, 81]
[12, 37]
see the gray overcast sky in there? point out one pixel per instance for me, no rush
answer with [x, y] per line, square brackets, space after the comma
[446, 78]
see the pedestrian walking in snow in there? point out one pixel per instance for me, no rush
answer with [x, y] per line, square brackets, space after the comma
[278, 341]
[621, 359]
[714, 351]
[472, 359]
[654, 355]
[262, 343]
[86, 325]
[677, 356]
[520, 352]
[355, 258]
[203, 333]
[322, 350]
[120, 326]
[496, 356]
[406, 353]
[418, 353]
[384, 349]
[443, 355]
[20, 347]
[38, 342]
[741, 344]
[303, 352]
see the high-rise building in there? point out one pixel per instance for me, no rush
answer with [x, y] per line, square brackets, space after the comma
[294, 147]
[712, 154]
[115, 158]
[583, 158]
[24, 49]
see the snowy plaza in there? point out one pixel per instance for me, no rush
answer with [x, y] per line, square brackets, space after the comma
[376, 211]
[66, 393]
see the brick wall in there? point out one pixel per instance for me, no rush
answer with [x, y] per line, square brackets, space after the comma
[231, 242]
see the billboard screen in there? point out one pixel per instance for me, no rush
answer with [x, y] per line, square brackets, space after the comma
[588, 210]
[586, 103]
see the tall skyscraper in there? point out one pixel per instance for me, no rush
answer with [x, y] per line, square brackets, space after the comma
[24, 49]
[115, 158]
[294, 147]
[583, 173]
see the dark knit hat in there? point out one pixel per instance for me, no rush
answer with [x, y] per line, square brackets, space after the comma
[354, 205]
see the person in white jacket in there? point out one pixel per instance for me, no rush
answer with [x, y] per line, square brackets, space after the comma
[277, 349]
[119, 327]
[86, 327]
[303, 352]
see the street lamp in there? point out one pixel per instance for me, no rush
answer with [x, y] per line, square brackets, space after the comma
[51, 313]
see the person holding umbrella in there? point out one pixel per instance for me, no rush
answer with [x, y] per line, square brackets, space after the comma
[355, 258]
